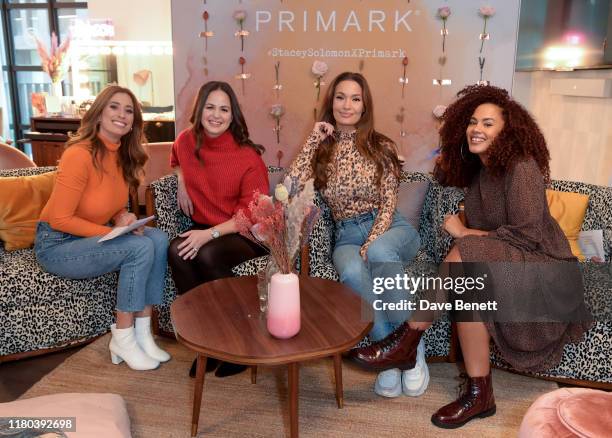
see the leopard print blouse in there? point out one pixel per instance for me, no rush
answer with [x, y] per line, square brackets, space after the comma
[351, 182]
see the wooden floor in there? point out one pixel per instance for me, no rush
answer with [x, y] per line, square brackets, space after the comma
[18, 376]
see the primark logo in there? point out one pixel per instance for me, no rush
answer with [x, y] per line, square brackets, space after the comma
[374, 20]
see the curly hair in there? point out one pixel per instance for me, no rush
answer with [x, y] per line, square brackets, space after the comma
[519, 138]
[132, 155]
[371, 144]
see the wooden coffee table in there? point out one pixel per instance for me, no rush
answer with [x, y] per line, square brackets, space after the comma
[221, 319]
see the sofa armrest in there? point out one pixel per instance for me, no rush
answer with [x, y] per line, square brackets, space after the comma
[26, 171]
[321, 239]
[251, 267]
[439, 202]
[162, 202]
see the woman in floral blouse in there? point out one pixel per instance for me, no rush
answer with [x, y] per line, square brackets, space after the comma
[357, 172]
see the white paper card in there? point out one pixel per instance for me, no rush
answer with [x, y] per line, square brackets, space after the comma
[591, 244]
[54, 104]
[120, 231]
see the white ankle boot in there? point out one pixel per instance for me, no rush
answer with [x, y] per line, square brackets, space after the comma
[145, 340]
[123, 347]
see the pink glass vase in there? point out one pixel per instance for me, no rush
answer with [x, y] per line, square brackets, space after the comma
[283, 317]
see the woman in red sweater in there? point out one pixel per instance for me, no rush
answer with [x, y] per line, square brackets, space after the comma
[218, 169]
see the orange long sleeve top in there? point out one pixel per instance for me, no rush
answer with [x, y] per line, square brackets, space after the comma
[84, 198]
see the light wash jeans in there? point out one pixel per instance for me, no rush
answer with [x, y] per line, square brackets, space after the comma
[140, 260]
[387, 256]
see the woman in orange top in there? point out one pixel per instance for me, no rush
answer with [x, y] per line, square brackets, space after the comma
[102, 160]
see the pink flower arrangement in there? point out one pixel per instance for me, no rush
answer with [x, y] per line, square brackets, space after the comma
[283, 224]
[52, 62]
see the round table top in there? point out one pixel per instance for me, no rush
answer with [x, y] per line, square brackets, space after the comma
[221, 319]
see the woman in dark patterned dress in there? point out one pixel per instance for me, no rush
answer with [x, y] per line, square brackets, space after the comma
[492, 146]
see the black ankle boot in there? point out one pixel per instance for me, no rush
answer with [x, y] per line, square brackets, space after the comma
[211, 365]
[227, 369]
[397, 350]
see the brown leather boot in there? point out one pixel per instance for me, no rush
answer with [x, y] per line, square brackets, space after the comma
[397, 350]
[476, 401]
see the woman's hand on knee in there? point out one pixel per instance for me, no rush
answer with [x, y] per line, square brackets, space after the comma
[363, 252]
[194, 240]
[453, 226]
[421, 325]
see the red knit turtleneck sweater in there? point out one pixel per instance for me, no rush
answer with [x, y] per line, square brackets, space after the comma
[224, 183]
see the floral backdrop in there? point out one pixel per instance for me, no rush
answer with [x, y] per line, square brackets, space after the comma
[280, 55]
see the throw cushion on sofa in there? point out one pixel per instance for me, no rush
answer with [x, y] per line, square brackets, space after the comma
[410, 199]
[21, 201]
[568, 209]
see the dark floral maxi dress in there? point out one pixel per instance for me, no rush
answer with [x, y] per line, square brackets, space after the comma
[530, 264]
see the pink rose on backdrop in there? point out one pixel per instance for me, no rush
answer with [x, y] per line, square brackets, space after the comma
[277, 112]
[438, 111]
[319, 68]
[444, 12]
[239, 15]
[487, 11]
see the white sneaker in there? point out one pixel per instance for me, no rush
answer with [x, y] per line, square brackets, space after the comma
[389, 383]
[415, 381]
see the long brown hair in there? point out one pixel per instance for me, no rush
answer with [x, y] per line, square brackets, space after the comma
[370, 143]
[519, 138]
[238, 126]
[131, 155]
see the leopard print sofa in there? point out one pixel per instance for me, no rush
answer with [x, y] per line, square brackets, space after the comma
[588, 362]
[40, 311]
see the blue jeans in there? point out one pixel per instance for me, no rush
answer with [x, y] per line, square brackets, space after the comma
[140, 260]
[387, 256]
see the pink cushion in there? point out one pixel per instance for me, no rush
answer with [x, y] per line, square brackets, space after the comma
[569, 412]
[587, 414]
[97, 415]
